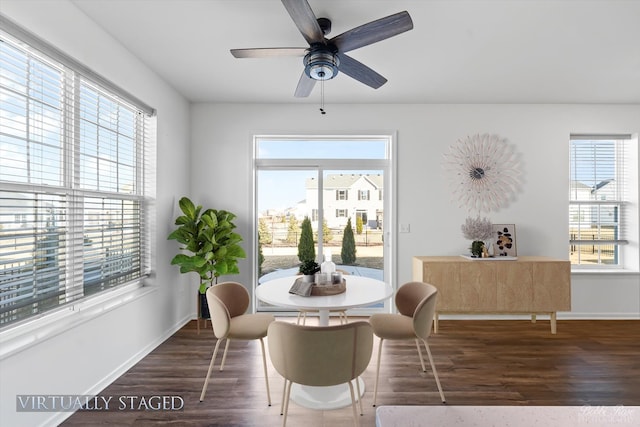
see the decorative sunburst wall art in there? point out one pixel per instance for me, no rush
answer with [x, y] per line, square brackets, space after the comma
[484, 172]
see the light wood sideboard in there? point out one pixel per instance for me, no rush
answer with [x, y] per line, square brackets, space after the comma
[527, 285]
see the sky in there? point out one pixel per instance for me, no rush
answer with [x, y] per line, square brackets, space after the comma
[284, 189]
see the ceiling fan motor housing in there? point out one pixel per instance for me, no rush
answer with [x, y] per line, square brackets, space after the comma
[321, 63]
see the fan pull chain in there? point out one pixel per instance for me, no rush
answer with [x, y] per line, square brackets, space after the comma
[322, 97]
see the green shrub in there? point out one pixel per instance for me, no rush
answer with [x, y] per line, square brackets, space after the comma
[306, 247]
[348, 253]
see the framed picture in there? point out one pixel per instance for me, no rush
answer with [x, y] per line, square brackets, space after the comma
[504, 240]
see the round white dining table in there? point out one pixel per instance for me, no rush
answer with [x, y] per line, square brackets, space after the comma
[360, 292]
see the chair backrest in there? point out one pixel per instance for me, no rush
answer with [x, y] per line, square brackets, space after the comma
[418, 300]
[320, 355]
[226, 300]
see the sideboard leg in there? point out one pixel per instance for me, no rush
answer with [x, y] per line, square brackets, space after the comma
[533, 318]
[553, 322]
[435, 323]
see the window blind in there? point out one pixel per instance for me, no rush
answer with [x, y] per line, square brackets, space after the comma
[76, 185]
[597, 202]
[36, 43]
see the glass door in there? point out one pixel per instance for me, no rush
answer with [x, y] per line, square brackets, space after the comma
[352, 223]
[282, 206]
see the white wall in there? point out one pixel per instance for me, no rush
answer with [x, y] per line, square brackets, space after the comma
[221, 174]
[85, 358]
[88, 356]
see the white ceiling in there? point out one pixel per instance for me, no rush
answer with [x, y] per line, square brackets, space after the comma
[459, 51]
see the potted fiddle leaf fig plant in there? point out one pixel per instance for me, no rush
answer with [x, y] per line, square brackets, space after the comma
[211, 246]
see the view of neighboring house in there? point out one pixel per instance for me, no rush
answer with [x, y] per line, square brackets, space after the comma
[347, 196]
[604, 190]
[589, 208]
[594, 214]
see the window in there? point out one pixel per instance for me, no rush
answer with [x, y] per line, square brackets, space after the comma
[74, 185]
[342, 213]
[363, 195]
[599, 208]
[341, 194]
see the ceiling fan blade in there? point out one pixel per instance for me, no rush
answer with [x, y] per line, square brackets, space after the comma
[360, 72]
[305, 20]
[373, 32]
[305, 86]
[269, 52]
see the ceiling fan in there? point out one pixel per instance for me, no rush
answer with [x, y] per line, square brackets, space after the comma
[325, 57]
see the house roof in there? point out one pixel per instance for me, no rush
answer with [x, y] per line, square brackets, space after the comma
[345, 181]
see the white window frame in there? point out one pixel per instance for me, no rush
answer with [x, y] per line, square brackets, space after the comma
[588, 200]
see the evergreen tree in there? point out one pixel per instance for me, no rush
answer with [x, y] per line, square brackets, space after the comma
[327, 236]
[260, 258]
[306, 247]
[264, 234]
[293, 230]
[348, 253]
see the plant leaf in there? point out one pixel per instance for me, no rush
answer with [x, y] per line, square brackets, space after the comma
[187, 207]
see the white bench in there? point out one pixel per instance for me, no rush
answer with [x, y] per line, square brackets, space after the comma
[507, 416]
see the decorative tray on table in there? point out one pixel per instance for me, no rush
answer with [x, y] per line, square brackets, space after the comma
[490, 258]
[305, 289]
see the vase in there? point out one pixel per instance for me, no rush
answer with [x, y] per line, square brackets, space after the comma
[490, 249]
[204, 306]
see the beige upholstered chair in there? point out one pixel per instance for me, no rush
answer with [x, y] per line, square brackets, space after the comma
[320, 356]
[416, 303]
[228, 303]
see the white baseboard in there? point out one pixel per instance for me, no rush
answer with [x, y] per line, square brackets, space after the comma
[560, 316]
[59, 417]
[599, 316]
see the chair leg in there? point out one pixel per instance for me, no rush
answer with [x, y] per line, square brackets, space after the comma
[433, 368]
[375, 387]
[286, 402]
[420, 354]
[302, 315]
[213, 360]
[284, 394]
[353, 404]
[359, 396]
[198, 313]
[343, 317]
[266, 376]
[224, 355]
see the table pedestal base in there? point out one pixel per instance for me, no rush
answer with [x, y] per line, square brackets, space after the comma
[331, 397]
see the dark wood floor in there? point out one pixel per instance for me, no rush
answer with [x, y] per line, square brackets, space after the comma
[503, 362]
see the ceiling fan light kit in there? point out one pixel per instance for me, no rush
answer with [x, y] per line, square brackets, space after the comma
[320, 63]
[324, 58]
